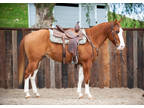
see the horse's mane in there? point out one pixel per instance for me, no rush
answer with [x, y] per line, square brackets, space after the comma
[97, 29]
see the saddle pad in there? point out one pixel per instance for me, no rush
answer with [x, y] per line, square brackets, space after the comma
[59, 40]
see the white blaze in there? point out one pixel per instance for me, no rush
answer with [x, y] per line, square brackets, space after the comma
[122, 44]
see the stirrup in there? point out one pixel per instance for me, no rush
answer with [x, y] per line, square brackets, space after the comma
[74, 61]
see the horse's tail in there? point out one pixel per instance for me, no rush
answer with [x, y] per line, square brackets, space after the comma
[21, 62]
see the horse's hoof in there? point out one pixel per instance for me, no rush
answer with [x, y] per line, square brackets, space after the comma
[37, 96]
[90, 98]
[80, 97]
[27, 97]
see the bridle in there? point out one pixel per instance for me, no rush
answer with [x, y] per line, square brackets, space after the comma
[114, 32]
[121, 55]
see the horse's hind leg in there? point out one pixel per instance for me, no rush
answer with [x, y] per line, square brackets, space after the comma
[30, 73]
[34, 83]
[26, 87]
[26, 84]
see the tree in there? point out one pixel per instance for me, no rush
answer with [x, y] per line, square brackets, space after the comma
[128, 8]
[44, 12]
[135, 10]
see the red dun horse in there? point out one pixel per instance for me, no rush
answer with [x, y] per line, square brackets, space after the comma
[37, 44]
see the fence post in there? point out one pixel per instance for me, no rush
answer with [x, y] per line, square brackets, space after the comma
[47, 72]
[52, 73]
[14, 57]
[143, 62]
[140, 73]
[58, 75]
[135, 57]
[8, 72]
[64, 75]
[130, 77]
[2, 60]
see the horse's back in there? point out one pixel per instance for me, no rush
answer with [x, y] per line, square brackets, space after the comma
[39, 34]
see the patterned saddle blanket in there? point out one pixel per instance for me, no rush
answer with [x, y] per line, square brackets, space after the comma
[56, 39]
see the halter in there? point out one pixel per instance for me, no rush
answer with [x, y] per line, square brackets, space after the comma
[113, 32]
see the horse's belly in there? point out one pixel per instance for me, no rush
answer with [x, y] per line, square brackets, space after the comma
[56, 54]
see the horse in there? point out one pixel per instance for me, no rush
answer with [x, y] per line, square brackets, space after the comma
[37, 44]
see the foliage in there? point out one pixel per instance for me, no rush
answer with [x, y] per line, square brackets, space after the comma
[128, 8]
[88, 7]
[13, 15]
[132, 7]
[49, 9]
[126, 22]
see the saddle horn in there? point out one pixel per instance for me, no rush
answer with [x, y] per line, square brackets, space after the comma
[77, 27]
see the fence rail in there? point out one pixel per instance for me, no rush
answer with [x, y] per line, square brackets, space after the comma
[107, 71]
[29, 29]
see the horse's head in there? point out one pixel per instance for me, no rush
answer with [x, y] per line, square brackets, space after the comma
[116, 35]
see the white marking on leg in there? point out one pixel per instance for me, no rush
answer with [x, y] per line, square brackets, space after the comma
[87, 91]
[33, 81]
[39, 64]
[81, 77]
[122, 44]
[26, 86]
[34, 84]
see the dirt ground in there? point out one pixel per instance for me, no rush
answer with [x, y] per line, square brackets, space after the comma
[69, 96]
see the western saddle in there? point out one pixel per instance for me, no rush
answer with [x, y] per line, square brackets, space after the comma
[74, 36]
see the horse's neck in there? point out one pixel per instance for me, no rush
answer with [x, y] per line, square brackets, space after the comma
[98, 34]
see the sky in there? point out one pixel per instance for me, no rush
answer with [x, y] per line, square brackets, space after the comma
[120, 9]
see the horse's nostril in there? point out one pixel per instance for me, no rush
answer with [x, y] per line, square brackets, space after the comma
[123, 46]
[117, 45]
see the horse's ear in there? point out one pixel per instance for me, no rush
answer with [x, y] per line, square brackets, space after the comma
[115, 21]
[120, 20]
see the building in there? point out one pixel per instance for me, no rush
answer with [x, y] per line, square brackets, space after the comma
[67, 14]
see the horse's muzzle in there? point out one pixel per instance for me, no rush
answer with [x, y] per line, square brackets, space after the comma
[120, 47]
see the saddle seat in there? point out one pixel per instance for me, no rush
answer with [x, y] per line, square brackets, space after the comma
[73, 37]
[67, 33]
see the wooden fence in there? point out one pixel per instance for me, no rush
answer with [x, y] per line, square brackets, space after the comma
[109, 70]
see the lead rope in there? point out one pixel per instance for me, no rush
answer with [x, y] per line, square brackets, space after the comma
[125, 63]
[122, 57]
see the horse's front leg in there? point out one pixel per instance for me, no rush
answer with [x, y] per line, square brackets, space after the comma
[87, 68]
[81, 78]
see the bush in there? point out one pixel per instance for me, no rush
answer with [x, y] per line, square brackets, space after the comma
[126, 22]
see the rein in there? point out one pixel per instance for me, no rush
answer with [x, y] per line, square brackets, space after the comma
[93, 46]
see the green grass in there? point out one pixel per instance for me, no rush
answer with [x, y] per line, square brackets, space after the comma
[13, 15]
[126, 22]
